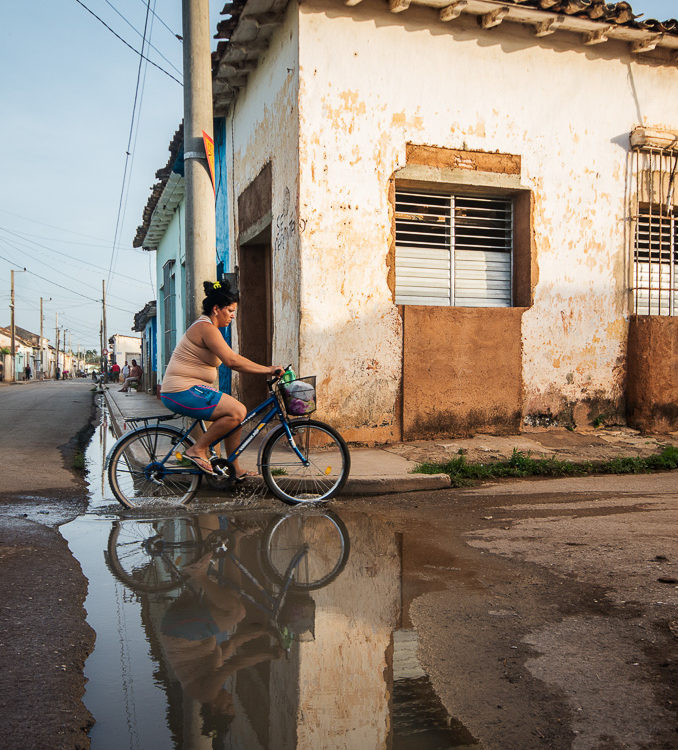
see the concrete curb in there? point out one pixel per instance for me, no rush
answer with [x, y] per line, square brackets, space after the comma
[396, 483]
[117, 417]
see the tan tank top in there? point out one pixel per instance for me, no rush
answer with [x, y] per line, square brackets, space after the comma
[190, 364]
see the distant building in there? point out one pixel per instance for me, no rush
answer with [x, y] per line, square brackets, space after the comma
[146, 323]
[124, 349]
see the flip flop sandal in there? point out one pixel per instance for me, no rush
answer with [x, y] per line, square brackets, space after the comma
[199, 463]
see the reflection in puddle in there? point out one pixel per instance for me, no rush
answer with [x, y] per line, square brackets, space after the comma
[252, 629]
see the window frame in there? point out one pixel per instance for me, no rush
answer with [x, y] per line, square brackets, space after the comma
[653, 282]
[169, 314]
[455, 196]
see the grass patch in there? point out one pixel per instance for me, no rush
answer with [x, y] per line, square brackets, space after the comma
[462, 473]
[279, 472]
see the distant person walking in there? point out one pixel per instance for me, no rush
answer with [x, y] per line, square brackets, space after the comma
[27, 372]
[115, 372]
[125, 372]
[134, 377]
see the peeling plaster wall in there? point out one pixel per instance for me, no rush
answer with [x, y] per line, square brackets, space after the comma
[372, 81]
[263, 127]
[345, 672]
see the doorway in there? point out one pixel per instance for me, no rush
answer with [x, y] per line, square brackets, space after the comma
[255, 313]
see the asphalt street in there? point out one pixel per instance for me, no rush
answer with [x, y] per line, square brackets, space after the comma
[45, 639]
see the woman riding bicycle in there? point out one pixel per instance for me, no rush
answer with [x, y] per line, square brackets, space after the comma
[187, 385]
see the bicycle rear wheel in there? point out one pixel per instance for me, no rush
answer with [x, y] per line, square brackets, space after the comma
[148, 555]
[322, 540]
[321, 474]
[139, 470]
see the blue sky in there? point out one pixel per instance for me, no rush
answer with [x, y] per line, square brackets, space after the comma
[67, 88]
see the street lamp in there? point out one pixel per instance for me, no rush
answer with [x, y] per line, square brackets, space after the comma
[13, 334]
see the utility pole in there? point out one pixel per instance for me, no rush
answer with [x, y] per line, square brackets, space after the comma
[42, 359]
[13, 332]
[12, 326]
[56, 366]
[198, 116]
[103, 330]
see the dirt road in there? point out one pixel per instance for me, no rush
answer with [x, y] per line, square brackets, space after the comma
[546, 612]
[43, 633]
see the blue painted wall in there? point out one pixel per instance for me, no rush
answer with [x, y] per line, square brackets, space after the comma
[222, 216]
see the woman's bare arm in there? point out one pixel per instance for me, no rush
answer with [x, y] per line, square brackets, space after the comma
[214, 341]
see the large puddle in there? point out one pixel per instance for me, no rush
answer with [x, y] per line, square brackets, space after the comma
[250, 628]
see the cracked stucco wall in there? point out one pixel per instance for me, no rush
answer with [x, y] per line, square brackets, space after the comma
[263, 126]
[369, 83]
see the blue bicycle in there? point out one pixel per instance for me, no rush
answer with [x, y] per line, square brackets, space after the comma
[301, 461]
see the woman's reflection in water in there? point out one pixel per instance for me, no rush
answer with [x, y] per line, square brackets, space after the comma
[204, 636]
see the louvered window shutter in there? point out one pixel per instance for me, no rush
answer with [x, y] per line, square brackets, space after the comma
[453, 250]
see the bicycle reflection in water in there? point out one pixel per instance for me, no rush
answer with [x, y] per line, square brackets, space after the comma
[226, 595]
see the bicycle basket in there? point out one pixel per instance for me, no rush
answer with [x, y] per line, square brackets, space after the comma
[299, 396]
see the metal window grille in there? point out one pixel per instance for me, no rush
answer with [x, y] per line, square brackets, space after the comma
[655, 237]
[454, 250]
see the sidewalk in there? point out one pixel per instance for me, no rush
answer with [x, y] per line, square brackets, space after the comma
[374, 471]
[385, 469]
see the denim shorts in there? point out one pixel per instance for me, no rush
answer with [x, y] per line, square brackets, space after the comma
[198, 402]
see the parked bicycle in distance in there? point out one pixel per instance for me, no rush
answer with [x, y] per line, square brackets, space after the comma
[301, 461]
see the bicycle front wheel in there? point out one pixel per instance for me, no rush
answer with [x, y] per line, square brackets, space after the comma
[318, 475]
[306, 549]
[142, 469]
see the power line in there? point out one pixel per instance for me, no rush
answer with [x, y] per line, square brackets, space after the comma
[129, 23]
[105, 242]
[127, 44]
[171, 31]
[46, 265]
[136, 129]
[61, 286]
[129, 144]
[25, 238]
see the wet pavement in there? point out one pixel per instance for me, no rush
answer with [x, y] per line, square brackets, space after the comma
[249, 627]
[520, 615]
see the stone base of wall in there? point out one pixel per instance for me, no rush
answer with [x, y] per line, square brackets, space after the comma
[462, 371]
[652, 380]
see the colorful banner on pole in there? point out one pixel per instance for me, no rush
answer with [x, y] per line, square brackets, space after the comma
[209, 152]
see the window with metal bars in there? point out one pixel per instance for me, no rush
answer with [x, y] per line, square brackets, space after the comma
[453, 250]
[656, 264]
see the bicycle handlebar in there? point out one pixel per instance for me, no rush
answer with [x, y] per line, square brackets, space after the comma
[270, 382]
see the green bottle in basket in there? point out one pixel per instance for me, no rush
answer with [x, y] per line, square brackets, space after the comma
[289, 375]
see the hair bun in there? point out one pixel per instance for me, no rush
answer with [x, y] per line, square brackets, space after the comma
[207, 286]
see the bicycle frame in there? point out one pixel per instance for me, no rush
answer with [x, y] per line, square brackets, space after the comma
[274, 410]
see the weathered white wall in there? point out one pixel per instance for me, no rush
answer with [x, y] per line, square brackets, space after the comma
[264, 127]
[370, 81]
[344, 672]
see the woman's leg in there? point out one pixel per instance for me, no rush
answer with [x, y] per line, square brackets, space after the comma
[228, 413]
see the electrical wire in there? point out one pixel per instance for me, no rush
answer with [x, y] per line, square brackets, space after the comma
[24, 238]
[129, 145]
[105, 242]
[61, 286]
[46, 265]
[136, 131]
[171, 31]
[134, 28]
[127, 44]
